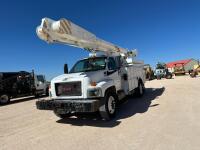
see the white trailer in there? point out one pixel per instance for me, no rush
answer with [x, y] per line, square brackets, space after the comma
[96, 83]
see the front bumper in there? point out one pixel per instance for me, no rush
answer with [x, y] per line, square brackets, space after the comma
[69, 106]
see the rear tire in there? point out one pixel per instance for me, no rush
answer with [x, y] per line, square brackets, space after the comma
[4, 99]
[37, 95]
[140, 89]
[108, 109]
[169, 76]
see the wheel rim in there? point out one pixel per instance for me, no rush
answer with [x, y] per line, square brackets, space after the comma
[111, 105]
[141, 89]
[4, 99]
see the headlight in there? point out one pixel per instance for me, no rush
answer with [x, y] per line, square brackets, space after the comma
[94, 92]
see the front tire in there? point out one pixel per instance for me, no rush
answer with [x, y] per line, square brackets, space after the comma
[108, 109]
[158, 77]
[62, 116]
[193, 74]
[47, 92]
[4, 99]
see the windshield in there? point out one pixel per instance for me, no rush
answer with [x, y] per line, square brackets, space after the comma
[40, 78]
[90, 64]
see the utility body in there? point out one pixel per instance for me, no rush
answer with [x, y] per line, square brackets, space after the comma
[96, 83]
[19, 84]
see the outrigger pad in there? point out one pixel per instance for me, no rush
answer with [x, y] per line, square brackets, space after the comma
[44, 104]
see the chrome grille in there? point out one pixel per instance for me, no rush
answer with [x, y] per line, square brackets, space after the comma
[68, 89]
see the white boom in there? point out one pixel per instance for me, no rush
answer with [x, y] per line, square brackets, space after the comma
[65, 32]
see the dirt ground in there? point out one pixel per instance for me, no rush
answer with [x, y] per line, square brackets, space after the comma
[166, 118]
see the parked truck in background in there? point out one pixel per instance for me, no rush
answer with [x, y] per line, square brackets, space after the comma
[149, 72]
[96, 83]
[179, 69]
[20, 84]
[161, 71]
[195, 71]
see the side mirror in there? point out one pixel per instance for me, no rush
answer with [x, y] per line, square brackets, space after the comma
[65, 68]
[125, 77]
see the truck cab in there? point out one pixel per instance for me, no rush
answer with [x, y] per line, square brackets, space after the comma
[86, 79]
[41, 85]
[21, 84]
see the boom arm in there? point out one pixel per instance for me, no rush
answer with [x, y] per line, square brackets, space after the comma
[65, 32]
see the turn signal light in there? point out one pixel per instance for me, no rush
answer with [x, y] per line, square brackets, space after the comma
[93, 83]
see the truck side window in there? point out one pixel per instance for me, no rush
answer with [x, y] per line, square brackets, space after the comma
[118, 61]
[111, 64]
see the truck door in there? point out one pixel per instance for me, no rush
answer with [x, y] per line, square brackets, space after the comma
[40, 83]
[113, 73]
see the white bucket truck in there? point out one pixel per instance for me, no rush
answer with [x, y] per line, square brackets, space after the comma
[96, 83]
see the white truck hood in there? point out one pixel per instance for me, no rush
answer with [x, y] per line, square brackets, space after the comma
[94, 76]
[84, 77]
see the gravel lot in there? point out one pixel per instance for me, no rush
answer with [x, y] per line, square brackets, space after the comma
[166, 118]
